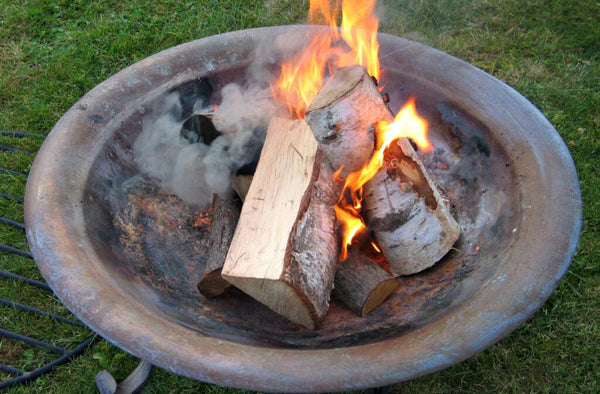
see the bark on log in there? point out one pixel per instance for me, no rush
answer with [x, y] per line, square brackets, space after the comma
[361, 283]
[410, 219]
[411, 222]
[226, 213]
[284, 250]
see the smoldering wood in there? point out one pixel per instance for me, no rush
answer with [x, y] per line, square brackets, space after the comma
[226, 213]
[361, 283]
[199, 128]
[284, 250]
[402, 205]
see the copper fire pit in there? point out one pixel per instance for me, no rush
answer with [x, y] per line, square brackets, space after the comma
[125, 255]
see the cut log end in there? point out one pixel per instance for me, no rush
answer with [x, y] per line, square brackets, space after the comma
[240, 185]
[346, 80]
[378, 295]
[361, 283]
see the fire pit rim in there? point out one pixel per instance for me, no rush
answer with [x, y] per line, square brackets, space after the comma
[58, 253]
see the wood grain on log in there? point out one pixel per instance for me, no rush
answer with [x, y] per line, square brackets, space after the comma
[285, 247]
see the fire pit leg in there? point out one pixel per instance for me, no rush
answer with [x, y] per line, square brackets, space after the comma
[106, 384]
[378, 390]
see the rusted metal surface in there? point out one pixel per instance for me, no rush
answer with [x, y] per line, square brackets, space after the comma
[125, 256]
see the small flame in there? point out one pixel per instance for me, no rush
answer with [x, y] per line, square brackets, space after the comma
[302, 77]
[374, 245]
[352, 224]
[407, 123]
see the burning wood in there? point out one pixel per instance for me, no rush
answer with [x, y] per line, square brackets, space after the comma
[285, 247]
[284, 252]
[411, 222]
[360, 282]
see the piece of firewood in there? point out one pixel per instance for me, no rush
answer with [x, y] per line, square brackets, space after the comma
[226, 213]
[285, 247]
[402, 206]
[361, 283]
[343, 116]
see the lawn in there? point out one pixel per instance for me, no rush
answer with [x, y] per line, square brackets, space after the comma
[53, 52]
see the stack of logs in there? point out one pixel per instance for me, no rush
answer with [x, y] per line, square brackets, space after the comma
[283, 249]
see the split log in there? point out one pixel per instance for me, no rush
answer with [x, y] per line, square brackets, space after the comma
[361, 283]
[226, 212]
[285, 247]
[402, 206]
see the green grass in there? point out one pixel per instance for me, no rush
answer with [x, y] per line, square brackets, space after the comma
[53, 52]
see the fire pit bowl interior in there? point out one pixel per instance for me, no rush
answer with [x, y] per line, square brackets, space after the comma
[125, 255]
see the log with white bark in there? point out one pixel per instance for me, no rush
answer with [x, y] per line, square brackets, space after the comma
[343, 117]
[284, 250]
[402, 206]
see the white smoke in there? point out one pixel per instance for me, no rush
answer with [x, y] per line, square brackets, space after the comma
[197, 171]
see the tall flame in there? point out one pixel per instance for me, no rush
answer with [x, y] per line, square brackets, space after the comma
[406, 123]
[359, 30]
[354, 43]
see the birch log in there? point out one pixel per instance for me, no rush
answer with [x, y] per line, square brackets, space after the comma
[402, 206]
[284, 250]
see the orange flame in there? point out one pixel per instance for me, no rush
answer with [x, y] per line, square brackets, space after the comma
[406, 123]
[359, 30]
[302, 77]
